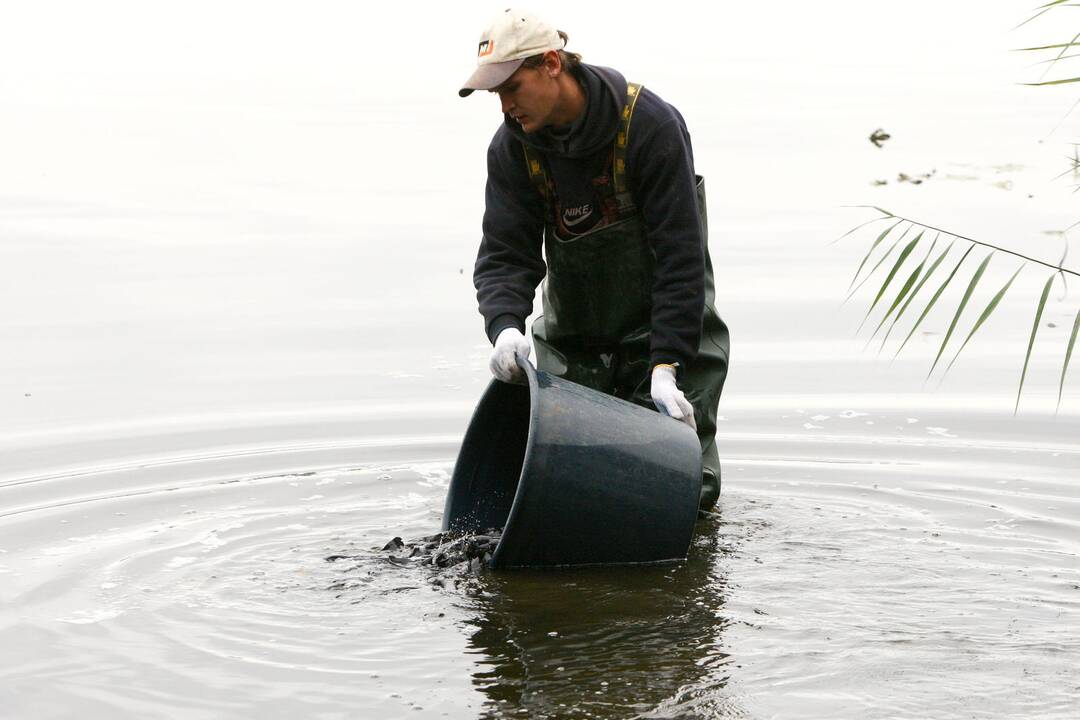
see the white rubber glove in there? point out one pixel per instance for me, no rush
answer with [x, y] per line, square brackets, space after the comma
[667, 396]
[509, 346]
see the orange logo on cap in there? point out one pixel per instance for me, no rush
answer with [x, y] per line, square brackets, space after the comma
[486, 48]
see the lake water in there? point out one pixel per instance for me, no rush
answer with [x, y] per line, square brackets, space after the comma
[238, 336]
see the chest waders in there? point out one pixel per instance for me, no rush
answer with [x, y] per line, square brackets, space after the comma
[597, 302]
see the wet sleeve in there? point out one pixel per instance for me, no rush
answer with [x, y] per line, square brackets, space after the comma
[665, 189]
[509, 264]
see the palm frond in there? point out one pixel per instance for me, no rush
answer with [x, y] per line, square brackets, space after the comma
[919, 276]
[892, 273]
[990, 307]
[1044, 9]
[916, 278]
[1068, 356]
[1064, 81]
[1031, 340]
[1054, 60]
[1061, 263]
[1056, 46]
[858, 227]
[929, 305]
[960, 310]
[871, 251]
[1060, 54]
[1009, 251]
[879, 263]
[904, 289]
[911, 296]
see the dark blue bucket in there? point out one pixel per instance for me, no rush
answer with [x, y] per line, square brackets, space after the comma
[574, 477]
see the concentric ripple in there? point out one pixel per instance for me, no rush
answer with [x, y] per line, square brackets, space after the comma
[861, 564]
[184, 575]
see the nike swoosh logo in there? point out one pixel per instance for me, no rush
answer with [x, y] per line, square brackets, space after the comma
[578, 221]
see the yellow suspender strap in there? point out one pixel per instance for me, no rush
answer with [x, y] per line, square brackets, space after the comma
[535, 167]
[622, 137]
[536, 172]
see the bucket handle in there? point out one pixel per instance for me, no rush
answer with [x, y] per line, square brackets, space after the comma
[526, 366]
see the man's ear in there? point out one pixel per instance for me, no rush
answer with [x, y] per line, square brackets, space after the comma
[552, 64]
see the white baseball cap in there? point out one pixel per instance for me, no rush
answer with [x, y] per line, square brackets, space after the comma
[510, 38]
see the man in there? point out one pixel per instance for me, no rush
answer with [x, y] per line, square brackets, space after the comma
[596, 176]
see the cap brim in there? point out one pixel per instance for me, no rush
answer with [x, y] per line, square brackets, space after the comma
[490, 76]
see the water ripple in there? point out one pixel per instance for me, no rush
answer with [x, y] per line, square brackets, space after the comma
[859, 574]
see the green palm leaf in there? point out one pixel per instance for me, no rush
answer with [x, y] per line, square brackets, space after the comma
[1053, 60]
[1042, 9]
[878, 264]
[1053, 82]
[985, 314]
[906, 287]
[1059, 56]
[1061, 267]
[933, 266]
[933, 299]
[1068, 356]
[883, 211]
[872, 248]
[860, 226]
[892, 273]
[1048, 47]
[1031, 340]
[959, 311]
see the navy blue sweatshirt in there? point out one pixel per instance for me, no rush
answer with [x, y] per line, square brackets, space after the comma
[660, 172]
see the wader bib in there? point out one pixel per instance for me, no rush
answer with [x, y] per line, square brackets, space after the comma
[597, 303]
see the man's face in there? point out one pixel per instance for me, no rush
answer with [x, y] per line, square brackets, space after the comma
[529, 96]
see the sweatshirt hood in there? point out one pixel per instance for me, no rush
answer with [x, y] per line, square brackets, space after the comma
[606, 92]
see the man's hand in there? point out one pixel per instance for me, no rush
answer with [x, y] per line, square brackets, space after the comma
[667, 396]
[509, 346]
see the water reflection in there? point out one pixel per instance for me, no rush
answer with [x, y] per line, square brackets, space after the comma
[606, 642]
